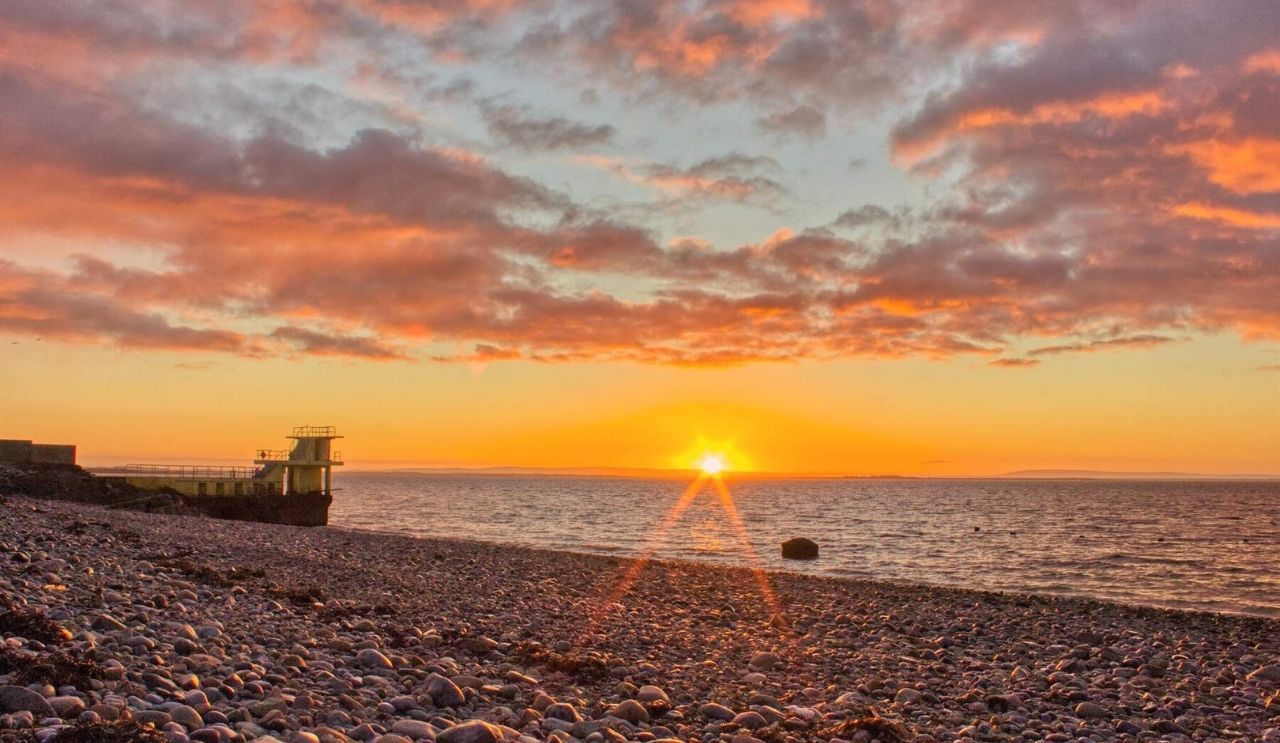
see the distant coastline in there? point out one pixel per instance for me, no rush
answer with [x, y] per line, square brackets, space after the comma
[675, 474]
[1052, 474]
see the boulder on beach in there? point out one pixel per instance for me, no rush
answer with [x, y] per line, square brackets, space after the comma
[20, 699]
[800, 548]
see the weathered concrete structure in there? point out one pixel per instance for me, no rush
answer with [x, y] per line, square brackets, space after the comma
[306, 468]
[286, 486]
[25, 451]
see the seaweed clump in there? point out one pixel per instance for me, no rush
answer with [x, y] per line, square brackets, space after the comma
[61, 668]
[218, 577]
[116, 731]
[589, 666]
[300, 595]
[31, 624]
[879, 728]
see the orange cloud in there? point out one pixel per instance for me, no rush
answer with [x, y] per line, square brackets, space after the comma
[1228, 215]
[1110, 105]
[760, 12]
[1245, 166]
[1265, 61]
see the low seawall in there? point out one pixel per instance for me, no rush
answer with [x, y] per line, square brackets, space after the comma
[68, 482]
[297, 509]
[23, 451]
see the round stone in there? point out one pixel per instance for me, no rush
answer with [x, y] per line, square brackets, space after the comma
[371, 658]
[631, 711]
[472, 731]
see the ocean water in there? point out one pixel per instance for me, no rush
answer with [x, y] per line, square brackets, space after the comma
[1196, 545]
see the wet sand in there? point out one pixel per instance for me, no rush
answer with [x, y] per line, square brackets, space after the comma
[216, 630]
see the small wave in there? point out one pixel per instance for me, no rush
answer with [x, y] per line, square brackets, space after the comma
[589, 547]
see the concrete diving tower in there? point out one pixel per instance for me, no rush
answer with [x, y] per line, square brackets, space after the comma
[307, 467]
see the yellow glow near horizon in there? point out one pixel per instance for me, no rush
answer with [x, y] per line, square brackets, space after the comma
[711, 455]
[712, 464]
[1209, 405]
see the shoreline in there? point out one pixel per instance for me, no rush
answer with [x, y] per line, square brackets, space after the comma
[267, 615]
[841, 579]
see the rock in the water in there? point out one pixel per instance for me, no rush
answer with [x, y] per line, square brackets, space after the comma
[18, 699]
[472, 731]
[800, 548]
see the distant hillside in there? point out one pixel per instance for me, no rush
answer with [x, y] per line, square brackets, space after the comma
[1121, 475]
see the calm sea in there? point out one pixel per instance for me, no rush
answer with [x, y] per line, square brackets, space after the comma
[1196, 545]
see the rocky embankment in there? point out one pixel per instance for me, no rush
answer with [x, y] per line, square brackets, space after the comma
[128, 626]
[69, 482]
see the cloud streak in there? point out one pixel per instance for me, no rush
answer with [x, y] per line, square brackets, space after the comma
[520, 129]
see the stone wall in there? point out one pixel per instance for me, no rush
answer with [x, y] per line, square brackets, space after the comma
[15, 451]
[23, 451]
[53, 453]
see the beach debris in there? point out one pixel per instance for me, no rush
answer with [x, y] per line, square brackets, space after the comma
[800, 548]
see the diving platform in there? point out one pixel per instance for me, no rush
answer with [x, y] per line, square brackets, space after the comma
[291, 486]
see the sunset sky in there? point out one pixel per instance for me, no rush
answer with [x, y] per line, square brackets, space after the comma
[948, 237]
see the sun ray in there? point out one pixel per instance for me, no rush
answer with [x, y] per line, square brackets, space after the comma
[656, 540]
[744, 539]
[711, 466]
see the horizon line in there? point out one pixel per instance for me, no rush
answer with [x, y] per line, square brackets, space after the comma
[604, 471]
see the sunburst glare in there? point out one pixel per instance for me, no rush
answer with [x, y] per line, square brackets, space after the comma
[712, 463]
[711, 467]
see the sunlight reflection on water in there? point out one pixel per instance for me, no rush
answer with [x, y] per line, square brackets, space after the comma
[1198, 545]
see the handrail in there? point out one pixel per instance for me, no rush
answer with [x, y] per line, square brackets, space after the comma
[190, 471]
[313, 431]
[286, 456]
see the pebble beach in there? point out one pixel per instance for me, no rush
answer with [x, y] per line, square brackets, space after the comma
[122, 625]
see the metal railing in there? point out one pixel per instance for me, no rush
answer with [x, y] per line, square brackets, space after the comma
[303, 432]
[284, 455]
[189, 471]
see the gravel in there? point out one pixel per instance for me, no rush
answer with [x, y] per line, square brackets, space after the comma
[190, 629]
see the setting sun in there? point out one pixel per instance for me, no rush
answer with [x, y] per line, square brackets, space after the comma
[711, 464]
